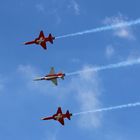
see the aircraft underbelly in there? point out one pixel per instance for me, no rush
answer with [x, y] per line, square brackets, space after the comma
[50, 77]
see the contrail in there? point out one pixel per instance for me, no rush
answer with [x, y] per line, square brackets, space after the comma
[109, 108]
[110, 66]
[104, 28]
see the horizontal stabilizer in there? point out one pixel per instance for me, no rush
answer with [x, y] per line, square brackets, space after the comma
[63, 77]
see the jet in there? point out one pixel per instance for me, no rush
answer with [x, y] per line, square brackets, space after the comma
[59, 116]
[41, 40]
[52, 76]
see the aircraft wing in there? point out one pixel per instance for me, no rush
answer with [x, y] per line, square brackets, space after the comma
[43, 44]
[59, 110]
[54, 81]
[41, 34]
[61, 121]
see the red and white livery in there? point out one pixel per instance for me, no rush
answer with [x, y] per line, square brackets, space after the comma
[59, 116]
[52, 76]
[41, 40]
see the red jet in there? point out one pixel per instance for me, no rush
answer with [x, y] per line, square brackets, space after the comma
[41, 40]
[59, 116]
[52, 76]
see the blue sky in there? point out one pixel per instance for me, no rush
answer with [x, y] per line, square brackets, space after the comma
[23, 102]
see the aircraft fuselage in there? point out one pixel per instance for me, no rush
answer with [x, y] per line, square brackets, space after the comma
[54, 76]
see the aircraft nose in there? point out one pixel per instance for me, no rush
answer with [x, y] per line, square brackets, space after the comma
[42, 118]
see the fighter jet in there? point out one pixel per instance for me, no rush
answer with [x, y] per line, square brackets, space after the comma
[41, 40]
[52, 76]
[59, 116]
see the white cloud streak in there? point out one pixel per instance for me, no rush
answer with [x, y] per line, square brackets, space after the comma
[87, 88]
[109, 51]
[109, 108]
[104, 28]
[122, 64]
[40, 8]
[124, 32]
[74, 5]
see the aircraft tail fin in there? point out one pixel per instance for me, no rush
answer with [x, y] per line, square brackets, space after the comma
[51, 38]
[52, 71]
[68, 115]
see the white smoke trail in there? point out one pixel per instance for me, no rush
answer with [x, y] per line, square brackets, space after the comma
[110, 66]
[109, 108]
[104, 28]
